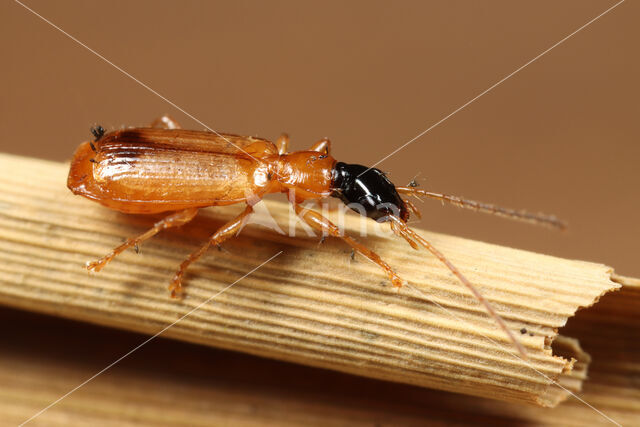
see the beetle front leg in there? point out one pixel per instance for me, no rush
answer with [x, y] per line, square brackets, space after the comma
[323, 147]
[322, 224]
[228, 230]
[174, 220]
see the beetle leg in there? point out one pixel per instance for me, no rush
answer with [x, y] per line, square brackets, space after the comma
[165, 122]
[323, 147]
[283, 143]
[228, 230]
[322, 224]
[174, 220]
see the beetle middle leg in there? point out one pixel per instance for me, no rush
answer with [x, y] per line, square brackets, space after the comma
[174, 220]
[228, 230]
[322, 224]
[166, 122]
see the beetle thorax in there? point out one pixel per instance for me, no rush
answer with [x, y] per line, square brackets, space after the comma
[307, 173]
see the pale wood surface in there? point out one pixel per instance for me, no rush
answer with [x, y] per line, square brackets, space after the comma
[179, 384]
[311, 305]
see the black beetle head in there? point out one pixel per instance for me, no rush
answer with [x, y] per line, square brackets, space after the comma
[368, 192]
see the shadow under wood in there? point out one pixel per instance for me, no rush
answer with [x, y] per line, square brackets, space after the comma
[57, 354]
[63, 353]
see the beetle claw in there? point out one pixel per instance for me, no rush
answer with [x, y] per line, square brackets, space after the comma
[95, 266]
[176, 287]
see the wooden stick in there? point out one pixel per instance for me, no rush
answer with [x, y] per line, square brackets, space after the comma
[174, 383]
[311, 305]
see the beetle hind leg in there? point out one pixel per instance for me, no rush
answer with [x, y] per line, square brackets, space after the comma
[165, 122]
[174, 220]
[228, 230]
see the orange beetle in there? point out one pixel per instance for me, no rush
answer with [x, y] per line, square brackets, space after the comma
[167, 169]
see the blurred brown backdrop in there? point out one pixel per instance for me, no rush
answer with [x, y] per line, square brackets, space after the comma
[561, 136]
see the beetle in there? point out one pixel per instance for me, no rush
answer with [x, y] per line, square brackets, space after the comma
[164, 168]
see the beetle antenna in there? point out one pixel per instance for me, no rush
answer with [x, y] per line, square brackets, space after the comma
[97, 132]
[413, 238]
[520, 215]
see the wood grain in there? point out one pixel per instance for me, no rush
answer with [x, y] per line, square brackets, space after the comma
[174, 383]
[311, 305]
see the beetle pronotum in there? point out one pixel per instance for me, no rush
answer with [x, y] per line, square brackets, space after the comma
[167, 169]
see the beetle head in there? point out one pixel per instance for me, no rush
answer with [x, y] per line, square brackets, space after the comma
[367, 191]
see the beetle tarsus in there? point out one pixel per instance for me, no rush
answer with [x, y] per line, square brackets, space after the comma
[175, 287]
[96, 266]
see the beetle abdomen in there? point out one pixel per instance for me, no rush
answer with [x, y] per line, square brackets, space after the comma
[140, 178]
[173, 175]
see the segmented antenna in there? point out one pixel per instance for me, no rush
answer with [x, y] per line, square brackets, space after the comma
[520, 215]
[413, 238]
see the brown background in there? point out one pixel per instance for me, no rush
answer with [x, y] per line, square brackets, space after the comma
[561, 136]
